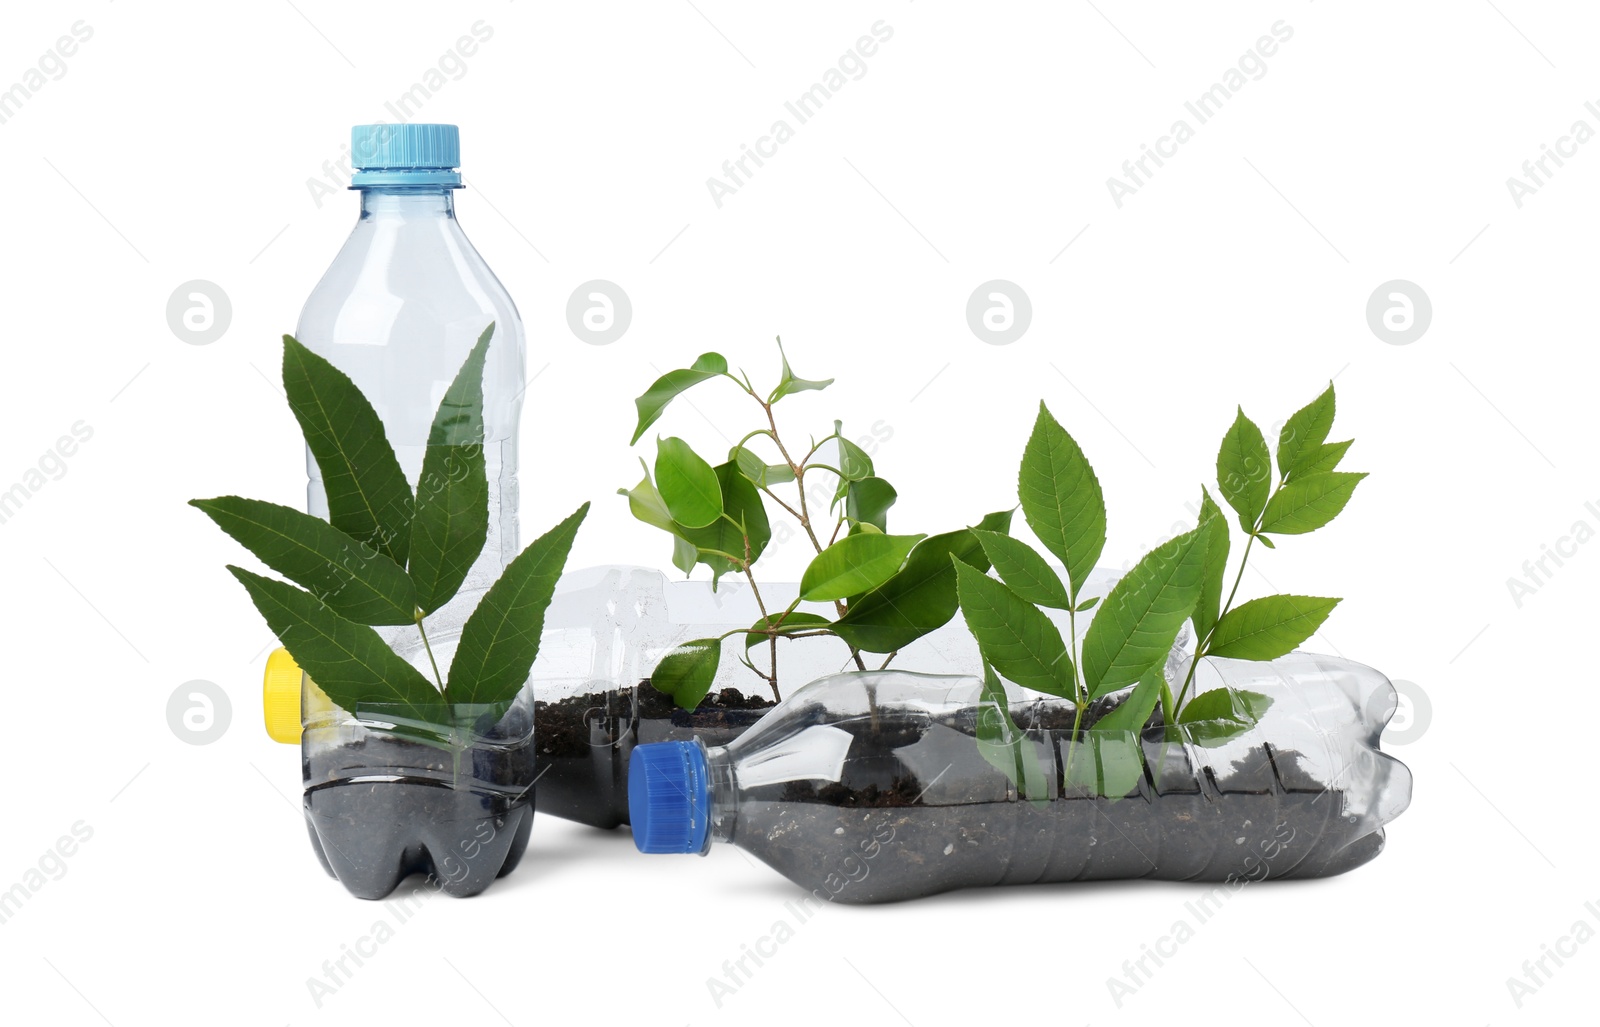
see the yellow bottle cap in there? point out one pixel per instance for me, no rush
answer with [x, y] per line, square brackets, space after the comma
[280, 697]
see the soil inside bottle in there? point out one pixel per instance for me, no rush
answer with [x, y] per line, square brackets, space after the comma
[897, 825]
[382, 808]
[583, 743]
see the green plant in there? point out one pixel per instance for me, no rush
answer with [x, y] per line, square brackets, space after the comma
[391, 556]
[886, 591]
[1127, 642]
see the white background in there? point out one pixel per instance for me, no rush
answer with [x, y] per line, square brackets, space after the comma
[178, 145]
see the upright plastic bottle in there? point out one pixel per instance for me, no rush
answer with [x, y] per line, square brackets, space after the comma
[879, 786]
[398, 311]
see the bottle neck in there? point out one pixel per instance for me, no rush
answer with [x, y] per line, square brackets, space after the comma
[409, 202]
[723, 785]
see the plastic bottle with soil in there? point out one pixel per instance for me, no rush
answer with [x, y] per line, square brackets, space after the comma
[884, 786]
[398, 311]
[606, 629]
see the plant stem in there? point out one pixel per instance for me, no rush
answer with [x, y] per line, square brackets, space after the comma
[761, 604]
[435, 664]
[1201, 644]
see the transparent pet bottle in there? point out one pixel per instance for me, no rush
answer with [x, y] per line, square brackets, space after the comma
[398, 311]
[605, 631]
[884, 786]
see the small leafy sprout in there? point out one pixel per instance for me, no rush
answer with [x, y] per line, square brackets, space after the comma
[1126, 644]
[391, 556]
[886, 591]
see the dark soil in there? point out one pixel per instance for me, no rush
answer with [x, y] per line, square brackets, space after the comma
[912, 820]
[461, 824]
[584, 743]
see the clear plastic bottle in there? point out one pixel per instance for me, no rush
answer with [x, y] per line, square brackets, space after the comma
[875, 787]
[606, 629]
[398, 311]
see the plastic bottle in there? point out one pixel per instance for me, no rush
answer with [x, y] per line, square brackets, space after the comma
[606, 629]
[875, 787]
[399, 310]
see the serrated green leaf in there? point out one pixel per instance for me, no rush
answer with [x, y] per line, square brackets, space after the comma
[1244, 470]
[1109, 759]
[368, 496]
[1061, 498]
[789, 384]
[348, 661]
[759, 471]
[1209, 605]
[1301, 438]
[1142, 614]
[920, 598]
[1024, 571]
[672, 384]
[1328, 456]
[855, 564]
[351, 578]
[451, 522]
[741, 505]
[867, 502]
[500, 640]
[1269, 627]
[1018, 640]
[687, 671]
[796, 620]
[687, 484]
[1132, 713]
[1005, 746]
[1307, 503]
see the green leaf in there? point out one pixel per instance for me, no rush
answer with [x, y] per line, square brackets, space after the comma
[855, 564]
[1110, 758]
[687, 484]
[1269, 627]
[1004, 745]
[1061, 498]
[789, 384]
[1307, 503]
[783, 625]
[1327, 458]
[451, 521]
[686, 672]
[500, 639]
[741, 505]
[1143, 612]
[670, 385]
[919, 599]
[348, 661]
[853, 460]
[1023, 570]
[868, 501]
[1021, 643]
[1089, 604]
[1209, 605]
[759, 471]
[352, 579]
[684, 555]
[1244, 470]
[1301, 438]
[646, 504]
[1134, 711]
[1222, 714]
[369, 498]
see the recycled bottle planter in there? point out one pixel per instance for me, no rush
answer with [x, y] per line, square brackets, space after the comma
[884, 786]
[606, 629]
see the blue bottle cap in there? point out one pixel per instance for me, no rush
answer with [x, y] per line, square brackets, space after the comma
[405, 155]
[669, 797]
